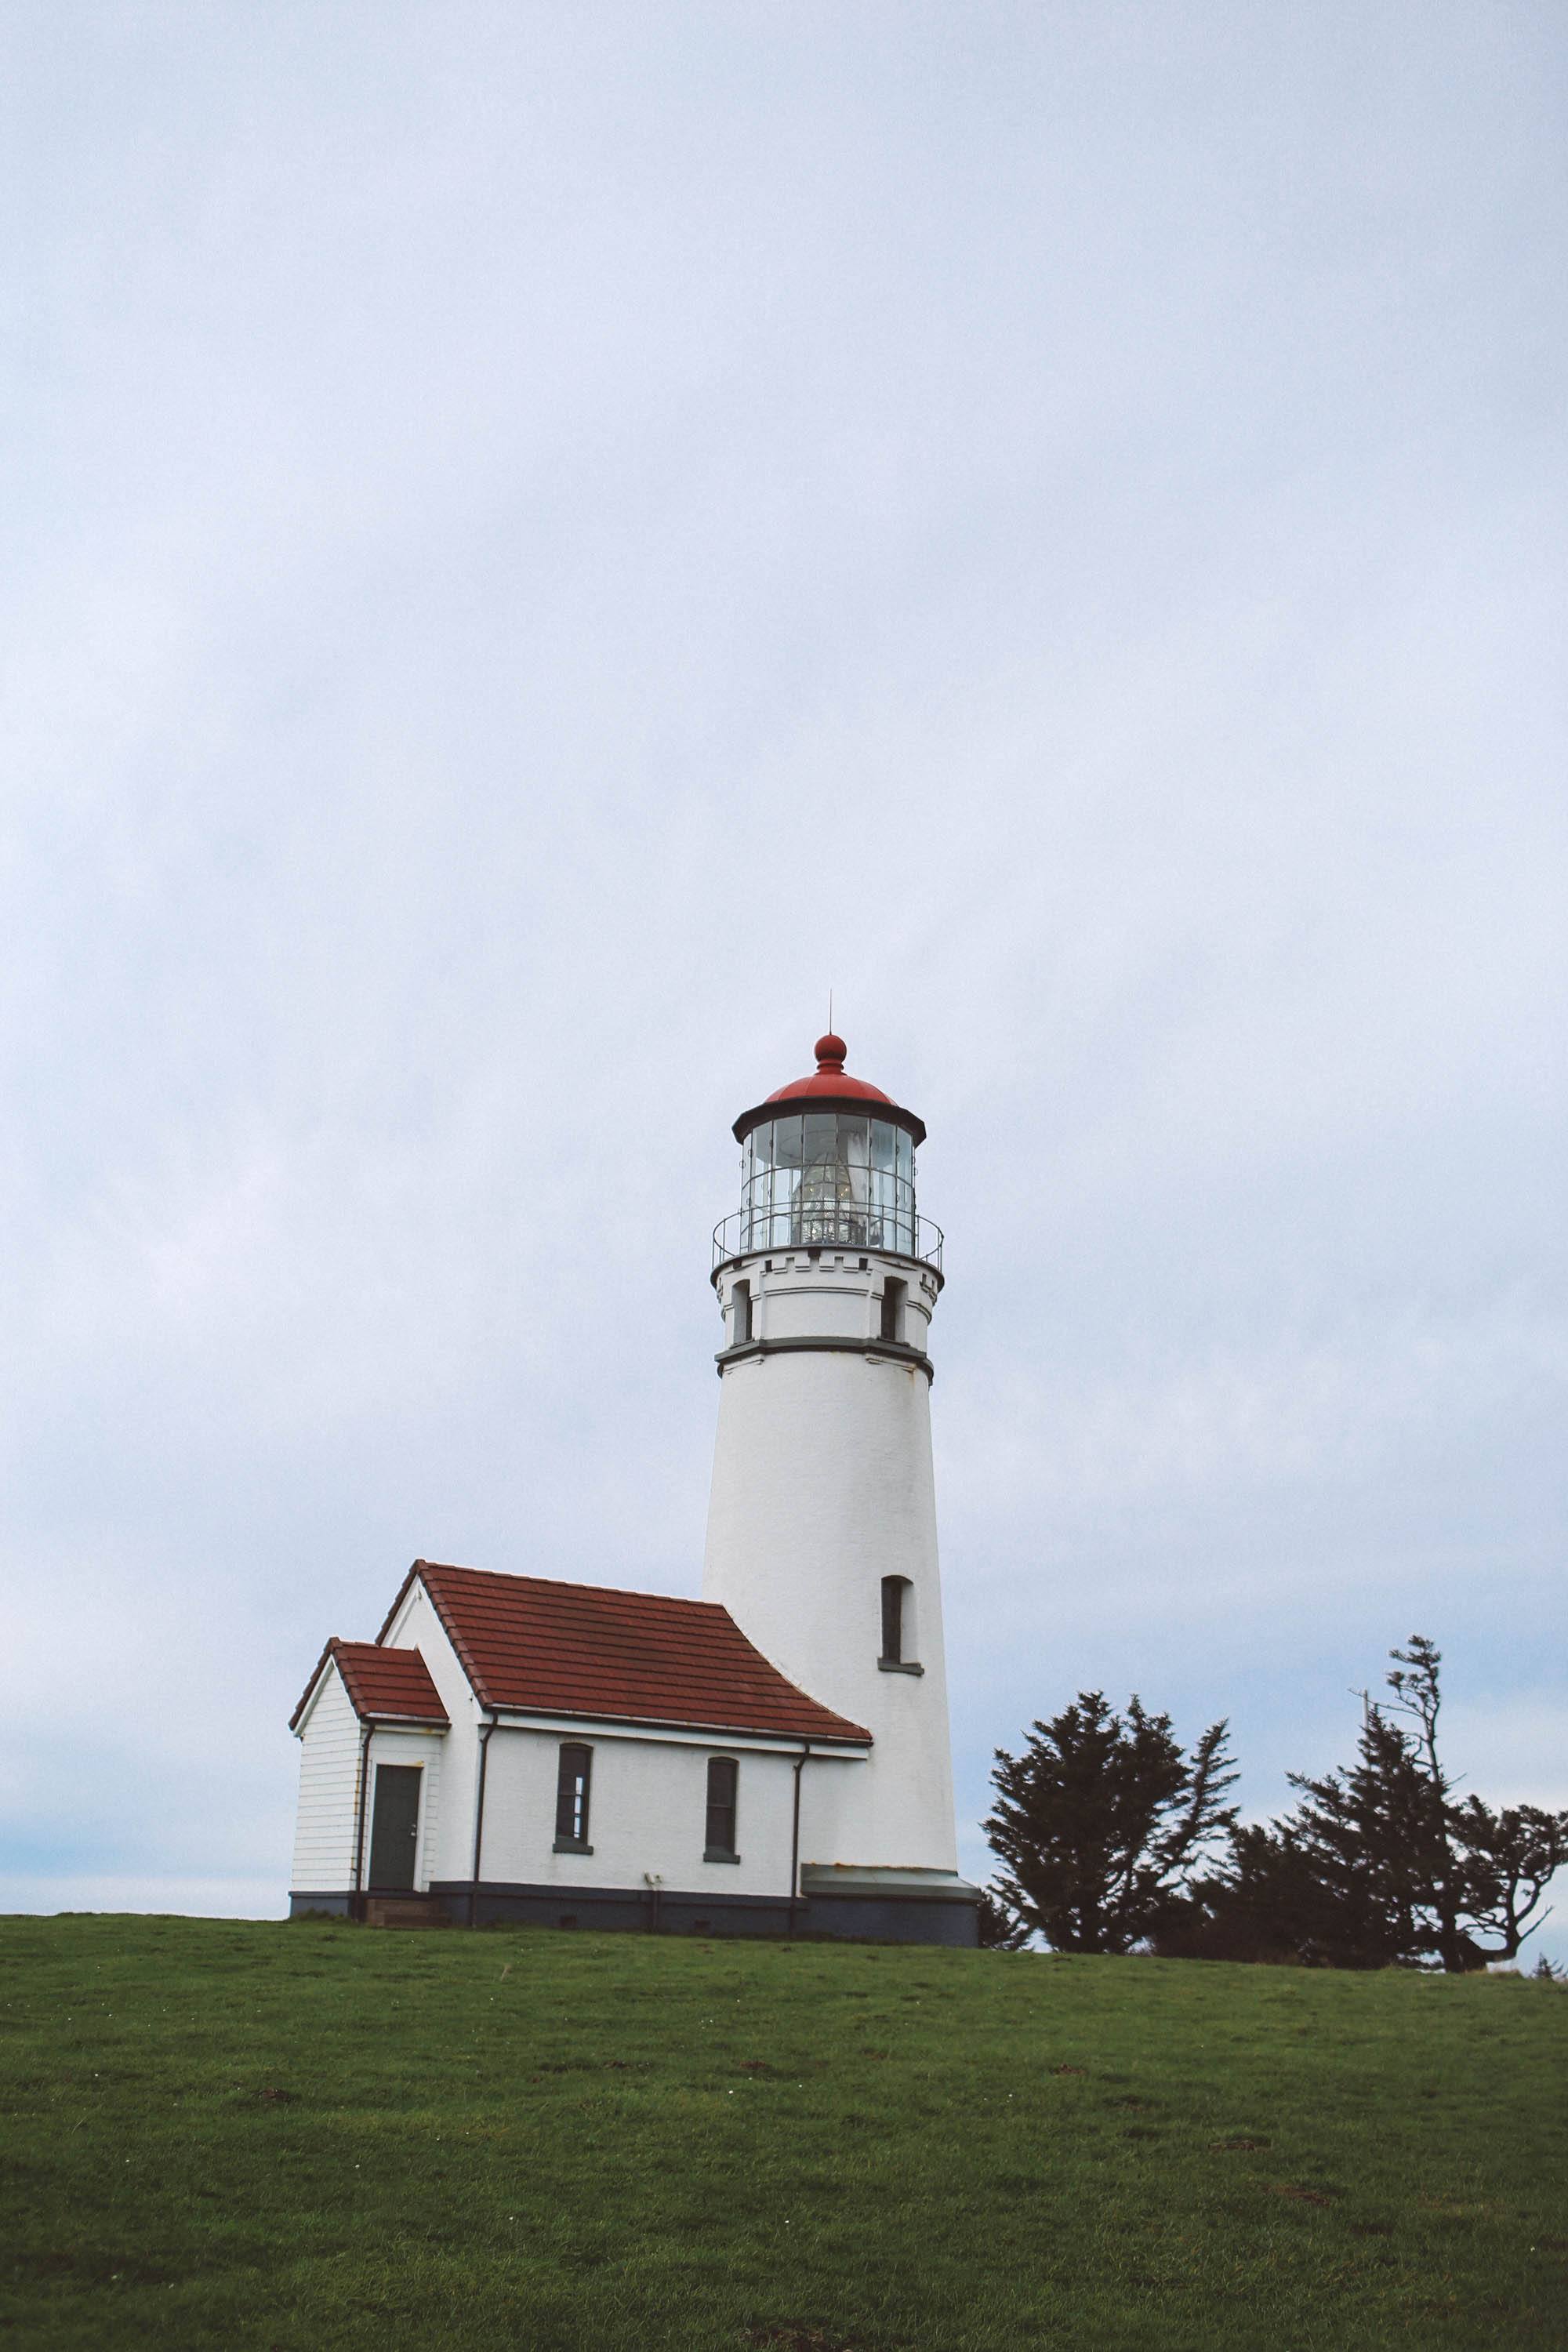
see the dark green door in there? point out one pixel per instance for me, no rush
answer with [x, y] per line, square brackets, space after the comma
[396, 1830]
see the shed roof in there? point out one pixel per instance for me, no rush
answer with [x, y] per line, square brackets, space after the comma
[383, 1685]
[548, 1648]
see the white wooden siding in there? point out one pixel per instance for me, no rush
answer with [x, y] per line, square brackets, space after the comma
[329, 1793]
[328, 1773]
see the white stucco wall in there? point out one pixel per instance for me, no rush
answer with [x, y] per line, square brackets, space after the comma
[647, 1812]
[822, 1487]
[795, 1295]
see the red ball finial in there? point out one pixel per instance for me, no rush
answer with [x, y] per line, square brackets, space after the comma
[830, 1053]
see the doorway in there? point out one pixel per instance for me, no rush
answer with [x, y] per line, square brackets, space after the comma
[395, 1829]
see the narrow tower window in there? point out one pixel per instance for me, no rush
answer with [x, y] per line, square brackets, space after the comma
[893, 1308]
[742, 1300]
[723, 1775]
[571, 1798]
[894, 1590]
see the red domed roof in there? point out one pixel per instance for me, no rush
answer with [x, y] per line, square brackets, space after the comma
[830, 1085]
[828, 1077]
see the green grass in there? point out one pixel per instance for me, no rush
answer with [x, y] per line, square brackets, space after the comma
[247, 2135]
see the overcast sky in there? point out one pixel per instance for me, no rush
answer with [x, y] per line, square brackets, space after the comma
[539, 540]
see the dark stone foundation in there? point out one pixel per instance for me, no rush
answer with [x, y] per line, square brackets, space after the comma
[864, 1914]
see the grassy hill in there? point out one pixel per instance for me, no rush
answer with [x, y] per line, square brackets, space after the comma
[264, 2135]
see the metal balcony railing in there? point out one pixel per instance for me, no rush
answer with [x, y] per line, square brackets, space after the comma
[895, 1236]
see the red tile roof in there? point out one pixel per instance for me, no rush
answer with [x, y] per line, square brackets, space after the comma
[546, 1648]
[385, 1686]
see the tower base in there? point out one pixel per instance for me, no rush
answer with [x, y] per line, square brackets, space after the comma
[895, 1906]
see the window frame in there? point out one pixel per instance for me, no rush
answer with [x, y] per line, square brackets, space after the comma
[816, 1179]
[576, 1794]
[713, 1850]
[896, 1592]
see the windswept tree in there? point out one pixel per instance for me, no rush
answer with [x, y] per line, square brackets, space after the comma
[1099, 1820]
[1489, 1868]
[1458, 1883]
[1370, 1839]
[1337, 1883]
[1381, 1863]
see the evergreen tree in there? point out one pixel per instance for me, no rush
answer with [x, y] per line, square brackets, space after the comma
[1099, 1819]
[1380, 1864]
[1263, 1900]
[1000, 1931]
[1369, 1841]
[1454, 1883]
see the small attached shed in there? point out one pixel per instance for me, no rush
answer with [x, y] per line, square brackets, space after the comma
[373, 1733]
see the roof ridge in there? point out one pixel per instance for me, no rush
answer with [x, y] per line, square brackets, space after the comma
[559, 1583]
[329, 1648]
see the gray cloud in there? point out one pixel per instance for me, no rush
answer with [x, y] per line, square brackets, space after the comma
[540, 543]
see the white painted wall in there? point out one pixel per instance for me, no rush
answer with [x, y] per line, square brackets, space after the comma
[647, 1809]
[328, 1776]
[327, 1822]
[822, 1485]
[425, 1749]
[795, 1296]
[449, 1851]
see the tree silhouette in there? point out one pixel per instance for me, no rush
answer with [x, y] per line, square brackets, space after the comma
[1380, 1864]
[1099, 1818]
[998, 1930]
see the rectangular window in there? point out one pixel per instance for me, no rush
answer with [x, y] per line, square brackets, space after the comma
[893, 1309]
[741, 1298]
[571, 1798]
[723, 1778]
[893, 1590]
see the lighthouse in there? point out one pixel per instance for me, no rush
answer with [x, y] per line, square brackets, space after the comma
[822, 1539]
[772, 1759]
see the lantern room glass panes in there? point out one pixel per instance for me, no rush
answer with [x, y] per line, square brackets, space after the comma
[828, 1176]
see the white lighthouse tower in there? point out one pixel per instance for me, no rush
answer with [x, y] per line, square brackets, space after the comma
[821, 1525]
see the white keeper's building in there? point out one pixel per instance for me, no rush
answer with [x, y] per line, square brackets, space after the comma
[771, 1760]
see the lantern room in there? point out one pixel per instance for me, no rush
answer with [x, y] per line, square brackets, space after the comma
[828, 1160]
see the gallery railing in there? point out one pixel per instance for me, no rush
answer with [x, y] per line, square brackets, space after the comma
[859, 1229]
